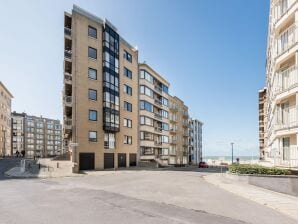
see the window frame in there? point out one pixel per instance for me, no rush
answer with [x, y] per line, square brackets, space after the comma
[93, 69]
[89, 117]
[89, 96]
[92, 48]
[90, 28]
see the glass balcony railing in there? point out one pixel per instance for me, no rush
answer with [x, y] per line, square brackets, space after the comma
[282, 7]
[67, 31]
[286, 39]
[286, 80]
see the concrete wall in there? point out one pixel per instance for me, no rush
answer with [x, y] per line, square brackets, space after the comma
[281, 184]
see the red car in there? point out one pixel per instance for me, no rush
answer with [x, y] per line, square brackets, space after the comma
[203, 165]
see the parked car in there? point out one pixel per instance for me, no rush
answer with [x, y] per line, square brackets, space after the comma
[203, 165]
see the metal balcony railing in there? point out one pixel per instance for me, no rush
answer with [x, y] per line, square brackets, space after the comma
[68, 99]
[67, 53]
[158, 116]
[67, 31]
[158, 129]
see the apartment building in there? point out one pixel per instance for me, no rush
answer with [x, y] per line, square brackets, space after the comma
[281, 126]
[178, 132]
[100, 94]
[37, 136]
[5, 123]
[262, 120]
[195, 141]
[154, 116]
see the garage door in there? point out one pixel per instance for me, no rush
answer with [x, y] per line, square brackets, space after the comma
[86, 161]
[132, 159]
[108, 160]
[121, 160]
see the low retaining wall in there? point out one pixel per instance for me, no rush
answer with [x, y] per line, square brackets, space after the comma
[282, 184]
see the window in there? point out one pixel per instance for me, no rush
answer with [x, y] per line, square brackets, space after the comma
[92, 115]
[144, 105]
[127, 73]
[165, 101]
[146, 121]
[145, 75]
[165, 139]
[127, 106]
[127, 123]
[109, 141]
[92, 53]
[92, 73]
[147, 91]
[165, 114]
[92, 94]
[127, 56]
[128, 90]
[92, 136]
[165, 89]
[165, 126]
[127, 140]
[92, 32]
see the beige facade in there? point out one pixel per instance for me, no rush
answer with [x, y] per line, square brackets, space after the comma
[100, 94]
[5, 121]
[179, 131]
[154, 116]
[262, 120]
[281, 125]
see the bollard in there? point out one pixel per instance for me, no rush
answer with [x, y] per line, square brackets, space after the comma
[48, 168]
[57, 165]
[39, 166]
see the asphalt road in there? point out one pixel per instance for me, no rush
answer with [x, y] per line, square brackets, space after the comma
[128, 197]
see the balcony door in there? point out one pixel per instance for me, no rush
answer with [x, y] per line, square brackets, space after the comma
[286, 148]
[285, 113]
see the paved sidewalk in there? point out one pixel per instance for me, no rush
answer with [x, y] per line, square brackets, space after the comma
[283, 203]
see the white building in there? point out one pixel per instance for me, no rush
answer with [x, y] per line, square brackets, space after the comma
[195, 141]
[281, 125]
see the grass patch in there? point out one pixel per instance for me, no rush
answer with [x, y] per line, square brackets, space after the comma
[257, 169]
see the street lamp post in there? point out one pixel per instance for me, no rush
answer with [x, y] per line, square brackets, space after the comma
[232, 144]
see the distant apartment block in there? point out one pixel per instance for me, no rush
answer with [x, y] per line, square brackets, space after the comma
[154, 116]
[262, 120]
[37, 136]
[100, 94]
[5, 122]
[178, 132]
[281, 124]
[195, 141]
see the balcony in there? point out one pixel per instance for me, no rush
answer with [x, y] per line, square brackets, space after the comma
[68, 101]
[157, 143]
[286, 80]
[158, 116]
[68, 78]
[286, 119]
[67, 54]
[286, 39]
[67, 31]
[158, 88]
[158, 129]
[158, 102]
[282, 7]
[67, 123]
[173, 141]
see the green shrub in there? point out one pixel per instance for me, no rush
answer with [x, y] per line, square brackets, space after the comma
[257, 169]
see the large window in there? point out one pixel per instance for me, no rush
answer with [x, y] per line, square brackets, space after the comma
[92, 115]
[127, 123]
[128, 106]
[165, 114]
[93, 136]
[144, 105]
[146, 121]
[128, 90]
[111, 101]
[146, 136]
[127, 56]
[145, 75]
[92, 32]
[127, 73]
[92, 73]
[127, 140]
[146, 91]
[92, 94]
[165, 126]
[109, 141]
[92, 53]
[165, 101]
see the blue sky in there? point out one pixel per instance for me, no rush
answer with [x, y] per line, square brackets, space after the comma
[212, 52]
